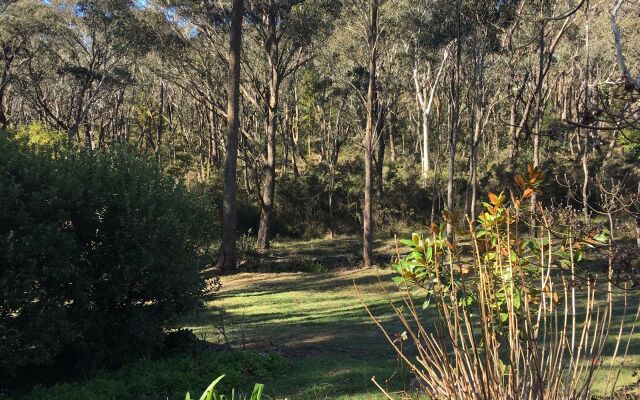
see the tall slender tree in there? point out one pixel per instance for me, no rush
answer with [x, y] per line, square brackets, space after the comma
[227, 256]
[371, 108]
[455, 119]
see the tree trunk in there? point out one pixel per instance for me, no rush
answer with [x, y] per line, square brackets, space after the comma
[367, 222]
[538, 115]
[227, 255]
[159, 126]
[477, 130]
[638, 221]
[269, 177]
[425, 162]
[381, 151]
[585, 174]
[587, 107]
[331, 189]
[4, 82]
[513, 145]
[425, 108]
[455, 120]
[268, 180]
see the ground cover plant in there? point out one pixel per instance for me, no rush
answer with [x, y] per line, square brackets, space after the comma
[171, 377]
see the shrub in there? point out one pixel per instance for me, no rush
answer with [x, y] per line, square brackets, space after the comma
[514, 315]
[42, 138]
[169, 377]
[99, 252]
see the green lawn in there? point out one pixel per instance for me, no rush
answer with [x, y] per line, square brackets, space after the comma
[317, 322]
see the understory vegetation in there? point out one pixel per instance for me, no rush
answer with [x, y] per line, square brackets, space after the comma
[101, 253]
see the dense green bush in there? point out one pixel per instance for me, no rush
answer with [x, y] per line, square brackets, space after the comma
[170, 378]
[99, 251]
[41, 138]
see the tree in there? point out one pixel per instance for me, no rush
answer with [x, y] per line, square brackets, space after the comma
[227, 257]
[426, 105]
[81, 57]
[284, 33]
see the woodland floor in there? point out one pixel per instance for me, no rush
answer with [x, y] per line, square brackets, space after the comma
[317, 321]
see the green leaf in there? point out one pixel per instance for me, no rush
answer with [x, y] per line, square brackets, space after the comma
[415, 238]
[504, 368]
[208, 394]
[602, 237]
[504, 316]
[407, 242]
[426, 304]
[469, 300]
[188, 396]
[257, 391]
[429, 253]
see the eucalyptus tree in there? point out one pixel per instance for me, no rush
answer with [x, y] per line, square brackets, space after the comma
[227, 257]
[366, 59]
[77, 59]
[281, 37]
[15, 33]
[192, 36]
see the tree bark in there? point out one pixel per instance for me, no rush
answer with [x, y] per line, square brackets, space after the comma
[425, 108]
[227, 255]
[268, 180]
[367, 220]
[538, 113]
[477, 132]
[455, 121]
[160, 126]
[269, 176]
[381, 152]
[638, 221]
[587, 107]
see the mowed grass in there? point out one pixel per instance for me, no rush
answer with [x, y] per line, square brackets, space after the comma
[317, 321]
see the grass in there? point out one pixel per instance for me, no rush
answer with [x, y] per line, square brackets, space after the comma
[317, 322]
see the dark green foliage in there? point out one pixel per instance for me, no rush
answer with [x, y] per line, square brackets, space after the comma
[171, 377]
[406, 198]
[302, 204]
[99, 252]
[630, 141]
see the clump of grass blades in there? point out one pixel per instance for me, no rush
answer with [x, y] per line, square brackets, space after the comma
[514, 317]
[212, 394]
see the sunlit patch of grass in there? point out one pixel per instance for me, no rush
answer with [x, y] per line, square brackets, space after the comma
[317, 322]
